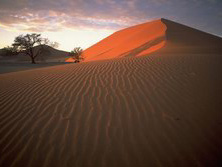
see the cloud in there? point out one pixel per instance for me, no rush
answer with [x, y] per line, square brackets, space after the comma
[100, 14]
[55, 15]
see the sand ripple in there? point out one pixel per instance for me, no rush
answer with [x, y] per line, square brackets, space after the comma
[146, 111]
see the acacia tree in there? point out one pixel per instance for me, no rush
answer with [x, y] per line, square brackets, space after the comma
[26, 43]
[76, 54]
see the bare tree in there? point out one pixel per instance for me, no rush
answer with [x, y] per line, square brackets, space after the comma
[26, 43]
[77, 55]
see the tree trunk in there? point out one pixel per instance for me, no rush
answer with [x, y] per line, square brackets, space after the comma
[32, 56]
[33, 61]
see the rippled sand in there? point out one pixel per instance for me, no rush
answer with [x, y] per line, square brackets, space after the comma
[145, 111]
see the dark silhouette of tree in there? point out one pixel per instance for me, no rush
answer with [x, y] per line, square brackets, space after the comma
[26, 44]
[77, 55]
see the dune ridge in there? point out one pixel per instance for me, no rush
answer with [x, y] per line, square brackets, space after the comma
[128, 42]
[162, 36]
[184, 39]
[134, 111]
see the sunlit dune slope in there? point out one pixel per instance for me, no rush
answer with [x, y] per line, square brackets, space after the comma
[159, 35]
[129, 42]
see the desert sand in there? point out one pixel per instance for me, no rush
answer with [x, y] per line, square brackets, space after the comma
[162, 36]
[6, 67]
[161, 110]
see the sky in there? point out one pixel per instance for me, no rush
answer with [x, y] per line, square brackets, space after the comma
[82, 23]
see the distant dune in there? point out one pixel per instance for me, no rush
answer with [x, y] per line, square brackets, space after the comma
[162, 35]
[161, 110]
[49, 54]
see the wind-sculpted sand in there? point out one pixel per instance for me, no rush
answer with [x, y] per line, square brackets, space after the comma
[162, 36]
[158, 111]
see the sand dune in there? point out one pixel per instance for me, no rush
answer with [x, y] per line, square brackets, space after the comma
[161, 35]
[49, 55]
[162, 110]
[148, 111]
[184, 39]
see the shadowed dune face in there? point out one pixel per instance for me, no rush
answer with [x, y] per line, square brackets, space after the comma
[153, 111]
[184, 39]
[162, 35]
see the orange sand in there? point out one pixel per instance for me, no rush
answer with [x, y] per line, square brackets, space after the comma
[147, 111]
[161, 35]
[161, 110]
[122, 42]
[70, 60]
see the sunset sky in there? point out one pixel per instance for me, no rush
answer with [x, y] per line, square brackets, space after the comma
[82, 23]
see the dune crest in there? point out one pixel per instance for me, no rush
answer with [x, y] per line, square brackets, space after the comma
[160, 35]
[128, 42]
[157, 111]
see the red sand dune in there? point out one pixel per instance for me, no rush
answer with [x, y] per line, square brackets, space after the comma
[69, 60]
[146, 111]
[162, 35]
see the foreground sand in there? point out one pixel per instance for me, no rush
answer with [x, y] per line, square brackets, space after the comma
[147, 111]
[14, 67]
